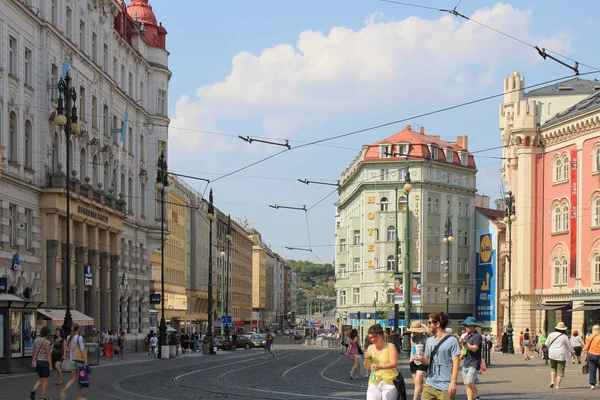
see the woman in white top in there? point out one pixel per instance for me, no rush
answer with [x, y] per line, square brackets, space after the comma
[74, 340]
[559, 349]
[577, 342]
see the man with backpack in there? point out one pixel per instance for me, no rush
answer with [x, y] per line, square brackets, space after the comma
[442, 355]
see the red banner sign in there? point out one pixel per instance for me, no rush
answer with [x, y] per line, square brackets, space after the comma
[573, 227]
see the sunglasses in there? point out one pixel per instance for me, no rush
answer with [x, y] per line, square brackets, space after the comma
[432, 322]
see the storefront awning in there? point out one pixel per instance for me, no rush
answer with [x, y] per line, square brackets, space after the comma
[587, 307]
[58, 316]
[550, 307]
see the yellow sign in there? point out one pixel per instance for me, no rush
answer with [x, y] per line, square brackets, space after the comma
[370, 247]
[370, 199]
[370, 263]
[370, 215]
[485, 249]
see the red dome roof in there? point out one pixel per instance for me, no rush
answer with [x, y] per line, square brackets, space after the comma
[142, 10]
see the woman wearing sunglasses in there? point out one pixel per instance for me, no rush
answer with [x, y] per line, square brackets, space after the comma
[381, 359]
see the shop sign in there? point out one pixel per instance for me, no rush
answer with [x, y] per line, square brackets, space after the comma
[87, 275]
[155, 298]
[585, 291]
[92, 214]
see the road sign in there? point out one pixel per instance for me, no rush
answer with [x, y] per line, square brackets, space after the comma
[318, 324]
[226, 319]
[390, 322]
[313, 283]
[312, 325]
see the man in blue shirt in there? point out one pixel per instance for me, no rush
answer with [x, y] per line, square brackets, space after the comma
[472, 347]
[443, 363]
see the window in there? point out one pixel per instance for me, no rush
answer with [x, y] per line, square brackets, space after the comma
[560, 276]
[105, 120]
[28, 229]
[94, 47]
[466, 214]
[82, 109]
[565, 218]
[433, 149]
[356, 295]
[403, 149]
[342, 245]
[54, 72]
[557, 219]
[82, 165]
[28, 146]
[82, 35]
[356, 264]
[428, 295]
[436, 295]
[342, 270]
[460, 209]
[12, 137]
[436, 264]
[391, 233]
[95, 171]
[114, 67]
[142, 148]
[565, 168]
[130, 140]
[12, 224]
[162, 105]
[437, 206]
[565, 271]
[391, 263]
[466, 265]
[130, 198]
[342, 297]
[464, 158]
[449, 206]
[356, 238]
[12, 56]
[142, 94]
[53, 15]
[143, 200]
[597, 163]
[429, 264]
[130, 85]
[28, 78]
[436, 238]
[106, 176]
[466, 238]
[449, 155]
[384, 174]
[459, 266]
[384, 204]
[596, 261]
[385, 151]
[94, 112]
[429, 204]
[122, 77]
[105, 58]
[68, 23]
[429, 234]
[558, 170]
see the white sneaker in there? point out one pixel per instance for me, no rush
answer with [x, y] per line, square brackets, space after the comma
[551, 385]
[592, 387]
[557, 386]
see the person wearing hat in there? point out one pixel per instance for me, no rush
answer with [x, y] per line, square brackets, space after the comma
[418, 339]
[577, 343]
[592, 354]
[559, 347]
[471, 343]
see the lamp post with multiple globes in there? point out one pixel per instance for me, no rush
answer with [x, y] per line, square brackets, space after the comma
[509, 218]
[161, 185]
[448, 239]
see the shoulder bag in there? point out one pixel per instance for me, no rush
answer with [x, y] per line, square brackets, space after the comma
[77, 353]
[434, 352]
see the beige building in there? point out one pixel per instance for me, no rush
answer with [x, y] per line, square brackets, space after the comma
[259, 280]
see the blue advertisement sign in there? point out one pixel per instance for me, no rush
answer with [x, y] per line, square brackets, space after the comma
[3, 285]
[486, 275]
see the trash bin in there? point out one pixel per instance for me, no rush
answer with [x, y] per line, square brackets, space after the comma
[206, 348]
[165, 352]
[172, 351]
[93, 353]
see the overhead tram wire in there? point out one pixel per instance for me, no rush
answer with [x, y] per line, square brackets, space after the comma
[391, 123]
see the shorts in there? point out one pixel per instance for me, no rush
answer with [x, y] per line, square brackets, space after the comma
[526, 343]
[578, 351]
[42, 367]
[353, 356]
[558, 367]
[431, 393]
[414, 367]
[74, 365]
[469, 375]
[268, 346]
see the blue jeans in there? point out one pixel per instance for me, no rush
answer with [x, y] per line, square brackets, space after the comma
[594, 364]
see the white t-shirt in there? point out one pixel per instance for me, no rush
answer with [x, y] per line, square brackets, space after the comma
[153, 341]
[77, 340]
[559, 346]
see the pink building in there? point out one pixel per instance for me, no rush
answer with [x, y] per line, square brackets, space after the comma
[552, 166]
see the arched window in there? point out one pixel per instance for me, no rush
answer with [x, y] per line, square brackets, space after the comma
[130, 197]
[565, 218]
[597, 163]
[113, 183]
[557, 219]
[596, 261]
[55, 152]
[391, 263]
[402, 203]
[28, 146]
[557, 271]
[565, 168]
[123, 185]
[557, 170]
[95, 171]
[12, 137]
[596, 212]
[384, 204]
[429, 205]
[565, 270]
[391, 233]
[437, 206]
[143, 199]
[82, 165]
[106, 173]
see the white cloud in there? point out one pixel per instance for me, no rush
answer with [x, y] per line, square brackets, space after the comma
[383, 63]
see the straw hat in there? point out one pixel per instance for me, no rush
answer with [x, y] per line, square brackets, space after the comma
[596, 330]
[561, 326]
[417, 327]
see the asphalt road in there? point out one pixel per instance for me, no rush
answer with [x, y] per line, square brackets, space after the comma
[298, 372]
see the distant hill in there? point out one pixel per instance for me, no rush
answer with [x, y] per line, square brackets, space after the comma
[323, 275]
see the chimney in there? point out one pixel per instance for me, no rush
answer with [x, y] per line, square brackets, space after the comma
[408, 128]
[463, 141]
[422, 130]
[436, 137]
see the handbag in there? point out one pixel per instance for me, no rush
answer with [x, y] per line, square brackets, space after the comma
[400, 385]
[77, 353]
[585, 369]
[482, 365]
[83, 377]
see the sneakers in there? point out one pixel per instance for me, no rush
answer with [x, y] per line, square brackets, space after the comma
[592, 387]
[63, 394]
[551, 385]
[558, 386]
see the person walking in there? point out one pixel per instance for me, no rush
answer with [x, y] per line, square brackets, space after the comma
[153, 343]
[472, 361]
[354, 351]
[59, 352]
[381, 359]
[269, 343]
[527, 345]
[442, 355]
[122, 343]
[559, 347]
[41, 356]
[592, 355]
[77, 358]
[418, 339]
[577, 343]
[543, 339]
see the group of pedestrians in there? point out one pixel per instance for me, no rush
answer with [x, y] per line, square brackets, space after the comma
[111, 343]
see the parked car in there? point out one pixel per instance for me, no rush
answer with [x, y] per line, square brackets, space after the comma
[258, 339]
[244, 342]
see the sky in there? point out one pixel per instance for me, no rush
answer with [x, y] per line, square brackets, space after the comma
[307, 70]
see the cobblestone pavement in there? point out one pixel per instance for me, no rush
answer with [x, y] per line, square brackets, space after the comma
[298, 372]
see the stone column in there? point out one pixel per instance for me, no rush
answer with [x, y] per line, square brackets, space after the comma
[114, 291]
[92, 305]
[80, 255]
[104, 260]
[51, 259]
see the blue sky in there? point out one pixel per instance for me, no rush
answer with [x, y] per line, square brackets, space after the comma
[311, 69]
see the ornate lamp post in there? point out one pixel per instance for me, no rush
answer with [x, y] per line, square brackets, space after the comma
[161, 185]
[66, 116]
[225, 278]
[211, 219]
[406, 288]
[509, 218]
[448, 239]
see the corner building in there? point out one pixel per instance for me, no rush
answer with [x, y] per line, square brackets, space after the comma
[552, 165]
[116, 56]
[372, 210]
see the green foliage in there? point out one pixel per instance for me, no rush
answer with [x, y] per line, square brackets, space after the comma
[322, 274]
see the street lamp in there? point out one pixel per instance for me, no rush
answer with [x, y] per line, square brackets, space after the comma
[228, 238]
[161, 185]
[448, 239]
[509, 218]
[407, 293]
[211, 219]
[68, 120]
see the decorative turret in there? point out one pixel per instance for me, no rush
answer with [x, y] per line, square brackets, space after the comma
[155, 34]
